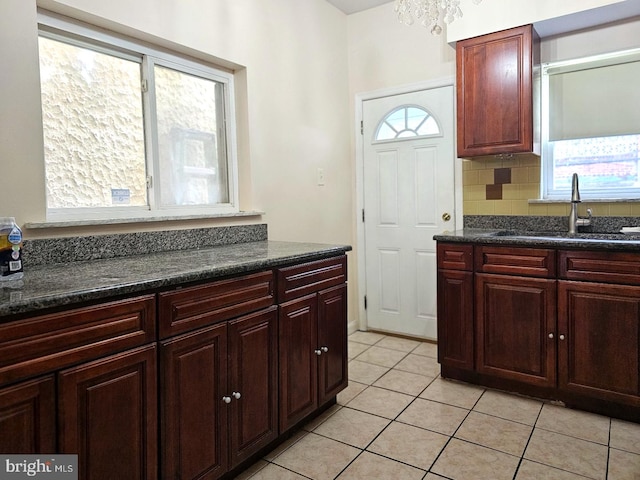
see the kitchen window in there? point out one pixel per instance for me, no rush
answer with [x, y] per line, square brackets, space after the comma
[131, 130]
[591, 126]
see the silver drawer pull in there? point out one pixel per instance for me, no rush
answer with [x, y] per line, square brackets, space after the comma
[226, 399]
[324, 349]
[236, 395]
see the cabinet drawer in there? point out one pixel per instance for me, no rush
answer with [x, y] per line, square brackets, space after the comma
[199, 306]
[307, 278]
[455, 256]
[48, 342]
[531, 262]
[611, 267]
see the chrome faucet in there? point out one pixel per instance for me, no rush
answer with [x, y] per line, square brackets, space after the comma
[574, 220]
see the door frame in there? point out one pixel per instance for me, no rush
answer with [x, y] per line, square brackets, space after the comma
[359, 144]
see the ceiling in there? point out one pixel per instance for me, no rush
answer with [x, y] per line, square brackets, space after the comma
[353, 6]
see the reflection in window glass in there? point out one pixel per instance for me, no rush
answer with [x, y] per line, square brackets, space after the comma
[192, 164]
[407, 122]
[601, 163]
[93, 127]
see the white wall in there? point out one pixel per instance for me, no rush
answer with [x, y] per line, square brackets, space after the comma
[294, 59]
[494, 15]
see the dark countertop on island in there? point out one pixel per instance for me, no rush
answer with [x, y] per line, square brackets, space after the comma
[49, 286]
[542, 239]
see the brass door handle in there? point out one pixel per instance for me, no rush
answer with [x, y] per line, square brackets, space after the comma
[446, 217]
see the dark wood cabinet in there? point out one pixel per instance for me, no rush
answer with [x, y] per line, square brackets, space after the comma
[186, 383]
[219, 396]
[312, 337]
[495, 93]
[599, 341]
[332, 338]
[515, 328]
[298, 338]
[194, 417]
[253, 383]
[455, 305]
[107, 414]
[559, 324]
[28, 417]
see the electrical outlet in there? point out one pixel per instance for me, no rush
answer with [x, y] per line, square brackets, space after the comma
[320, 176]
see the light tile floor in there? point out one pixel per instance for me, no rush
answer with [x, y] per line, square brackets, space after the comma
[399, 420]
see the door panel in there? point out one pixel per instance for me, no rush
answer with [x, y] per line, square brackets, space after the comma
[253, 373]
[106, 407]
[332, 336]
[193, 415]
[28, 417]
[298, 339]
[600, 352]
[514, 318]
[408, 187]
[389, 281]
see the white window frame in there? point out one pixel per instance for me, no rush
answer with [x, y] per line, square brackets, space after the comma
[83, 35]
[546, 190]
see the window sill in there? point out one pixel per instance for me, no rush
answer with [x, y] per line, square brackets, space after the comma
[118, 221]
[584, 200]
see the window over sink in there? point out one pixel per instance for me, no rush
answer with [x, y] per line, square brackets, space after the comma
[132, 130]
[591, 126]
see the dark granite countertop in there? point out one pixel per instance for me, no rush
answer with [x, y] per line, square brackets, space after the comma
[550, 239]
[48, 286]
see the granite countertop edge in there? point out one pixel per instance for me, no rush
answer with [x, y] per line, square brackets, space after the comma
[585, 241]
[60, 285]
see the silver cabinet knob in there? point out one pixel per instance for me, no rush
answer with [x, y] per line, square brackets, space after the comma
[318, 352]
[561, 337]
[226, 399]
[551, 335]
[324, 349]
[236, 395]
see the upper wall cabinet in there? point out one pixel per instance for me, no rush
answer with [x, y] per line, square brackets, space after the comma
[496, 91]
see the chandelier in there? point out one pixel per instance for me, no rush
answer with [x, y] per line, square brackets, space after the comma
[432, 12]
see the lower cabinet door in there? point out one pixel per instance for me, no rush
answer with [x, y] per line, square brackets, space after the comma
[516, 328]
[194, 413]
[599, 341]
[332, 340]
[298, 344]
[107, 415]
[253, 383]
[28, 417]
[455, 319]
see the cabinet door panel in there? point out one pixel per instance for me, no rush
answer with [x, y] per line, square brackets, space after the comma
[495, 92]
[253, 373]
[514, 318]
[455, 319]
[600, 354]
[298, 363]
[108, 415]
[332, 337]
[28, 417]
[193, 414]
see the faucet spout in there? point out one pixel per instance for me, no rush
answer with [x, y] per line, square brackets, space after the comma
[574, 220]
[575, 192]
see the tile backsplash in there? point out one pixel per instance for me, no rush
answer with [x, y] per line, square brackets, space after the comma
[504, 186]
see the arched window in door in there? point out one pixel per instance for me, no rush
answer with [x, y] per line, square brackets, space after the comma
[407, 121]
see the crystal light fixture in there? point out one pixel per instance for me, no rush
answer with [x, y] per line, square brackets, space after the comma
[432, 12]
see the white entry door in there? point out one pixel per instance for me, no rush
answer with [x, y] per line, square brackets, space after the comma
[409, 164]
